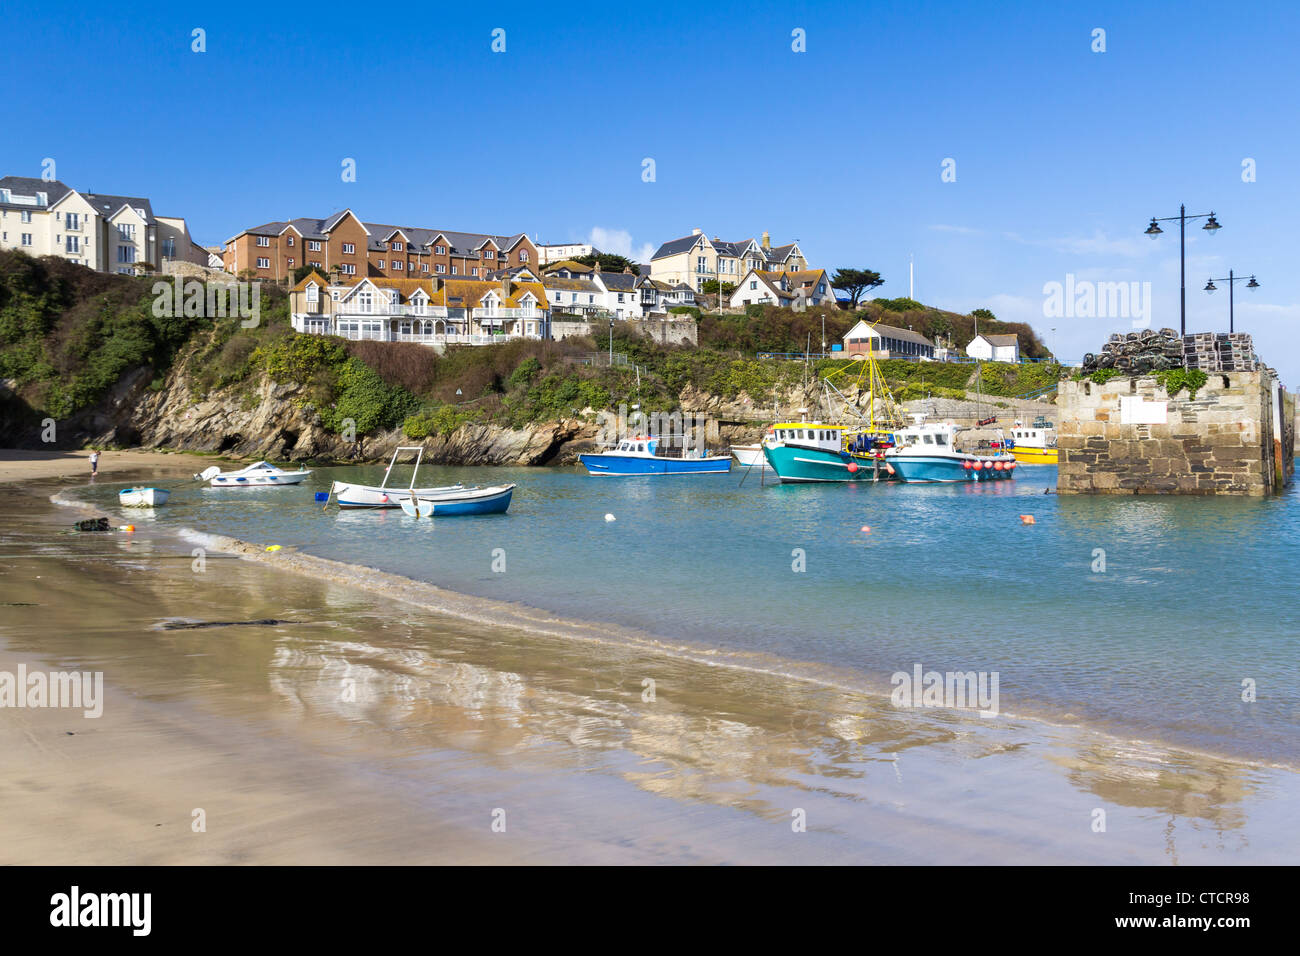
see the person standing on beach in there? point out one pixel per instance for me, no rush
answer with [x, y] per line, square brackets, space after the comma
[94, 464]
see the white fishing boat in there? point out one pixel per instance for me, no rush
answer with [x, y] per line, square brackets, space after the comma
[350, 495]
[262, 474]
[142, 497]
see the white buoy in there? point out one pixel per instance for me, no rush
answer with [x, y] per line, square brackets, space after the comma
[609, 517]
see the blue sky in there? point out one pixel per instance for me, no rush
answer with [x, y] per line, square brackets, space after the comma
[1061, 154]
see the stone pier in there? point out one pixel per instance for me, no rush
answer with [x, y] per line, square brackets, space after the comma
[1127, 436]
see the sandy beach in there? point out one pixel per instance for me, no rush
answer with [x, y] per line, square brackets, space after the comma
[306, 719]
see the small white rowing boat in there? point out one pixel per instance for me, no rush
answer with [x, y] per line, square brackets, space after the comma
[142, 497]
[262, 474]
[749, 455]
[382, 495]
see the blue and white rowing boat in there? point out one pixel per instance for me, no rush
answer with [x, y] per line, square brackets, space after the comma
[465, 501]
[639, 456]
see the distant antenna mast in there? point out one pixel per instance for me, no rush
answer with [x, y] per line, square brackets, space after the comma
[911, 279]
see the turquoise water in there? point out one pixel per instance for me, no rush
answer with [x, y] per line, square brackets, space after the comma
[1195, 597]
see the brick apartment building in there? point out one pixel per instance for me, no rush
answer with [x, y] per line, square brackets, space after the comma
[343, 245]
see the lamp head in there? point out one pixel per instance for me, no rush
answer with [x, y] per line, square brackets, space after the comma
[1211, 225]
[1210, 286]
[1252, 284]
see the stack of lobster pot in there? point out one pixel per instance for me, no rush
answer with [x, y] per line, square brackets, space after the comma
[1220, 352]
[1137, 353]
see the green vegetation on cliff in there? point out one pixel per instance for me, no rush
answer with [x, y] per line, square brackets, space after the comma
[68, 335]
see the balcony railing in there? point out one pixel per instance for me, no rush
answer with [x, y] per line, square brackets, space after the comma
[507, 313]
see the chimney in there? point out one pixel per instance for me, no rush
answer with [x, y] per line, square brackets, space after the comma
[627, 271]
[767, 242]
[696, 232]
[596, 266]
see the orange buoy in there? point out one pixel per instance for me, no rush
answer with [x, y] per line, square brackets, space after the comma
[889, 469]
[966, 465]
[1026, 519]
[866, 529]
[129, 528]
[997, 466]
[853, 468]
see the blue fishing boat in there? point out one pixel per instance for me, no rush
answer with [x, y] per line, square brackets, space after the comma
[639, 456]
[925, 453]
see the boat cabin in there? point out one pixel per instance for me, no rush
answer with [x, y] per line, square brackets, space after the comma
[927, 437]
[1037, 437]
[808, 434]
[641, 446]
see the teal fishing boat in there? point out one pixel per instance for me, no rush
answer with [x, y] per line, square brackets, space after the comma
[806, 452]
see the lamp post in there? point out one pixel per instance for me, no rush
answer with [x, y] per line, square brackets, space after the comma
[1211, 226]
[1232, 280]
[611, 343]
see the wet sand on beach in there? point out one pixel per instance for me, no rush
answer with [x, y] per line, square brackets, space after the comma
[355, 728]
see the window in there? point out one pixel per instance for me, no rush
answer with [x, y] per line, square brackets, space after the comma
[441, 269]
[27, 238]
[620, 297]
[313, 245]
[263, 240]
[591, 299]
[699, 264]
[72, 244]
[523, 255]
[317, 265]
[397, 247]
[424, 267]
[398, 265]
[313, 292]
[489, 254]
[347, 269]
[381, 263]
[753, 284]
[349, 248]
[454, 270]
[72, 220]
[169, 248]
[473, 270]
[26, 216]
[440, 250]
[288, 240]
[263, 263]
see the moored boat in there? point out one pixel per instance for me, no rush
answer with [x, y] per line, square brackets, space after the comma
[805, 452]
[464, 501]
[639, 456]
[259, 475]
[349, 494]
[1034, 445]
[925, 452]
[142, 497]
[748, 456]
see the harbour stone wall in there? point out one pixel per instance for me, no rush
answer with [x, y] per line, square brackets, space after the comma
[1128, 436]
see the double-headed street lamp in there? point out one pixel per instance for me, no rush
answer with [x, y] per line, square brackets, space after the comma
[1211, 226]
[1231, 280]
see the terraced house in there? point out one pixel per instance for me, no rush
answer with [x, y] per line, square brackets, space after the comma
[104, 232]
[344, 246]
[578, 289]
[695, 259]
[431, 311]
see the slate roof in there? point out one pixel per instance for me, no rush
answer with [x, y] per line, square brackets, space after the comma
[619, 281]
[25, 186]
[999, 340]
